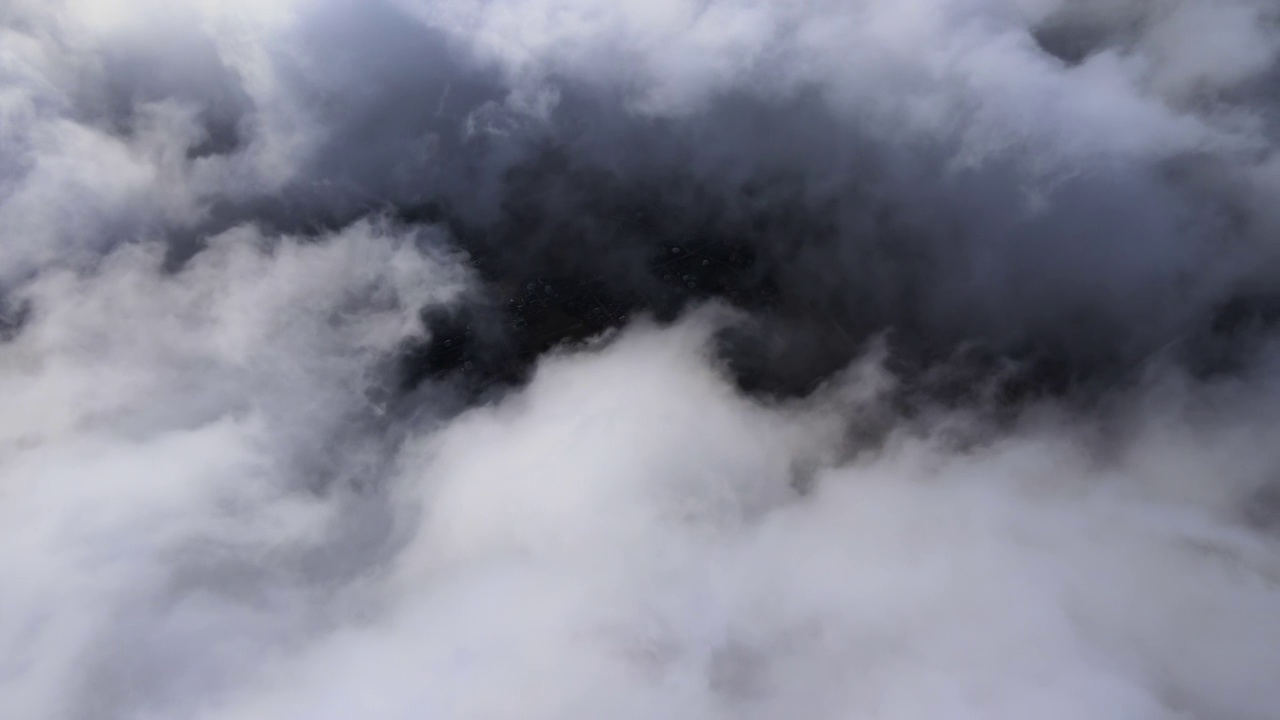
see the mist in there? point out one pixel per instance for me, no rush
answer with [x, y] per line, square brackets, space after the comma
[579, 359]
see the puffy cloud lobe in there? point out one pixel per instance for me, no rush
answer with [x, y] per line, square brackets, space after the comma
[165, 438]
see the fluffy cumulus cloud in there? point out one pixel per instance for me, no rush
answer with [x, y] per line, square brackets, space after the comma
[245, 472]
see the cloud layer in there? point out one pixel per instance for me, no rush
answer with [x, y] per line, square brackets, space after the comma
[229, 230]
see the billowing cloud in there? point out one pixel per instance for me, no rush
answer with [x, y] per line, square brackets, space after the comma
[577, 359]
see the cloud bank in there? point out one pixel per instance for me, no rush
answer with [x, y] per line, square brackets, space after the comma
[572, 359]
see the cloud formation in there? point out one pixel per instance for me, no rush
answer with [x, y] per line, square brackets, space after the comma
[859, 359]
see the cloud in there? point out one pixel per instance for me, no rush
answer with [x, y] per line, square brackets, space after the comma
[905, 387]
[165, 436]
